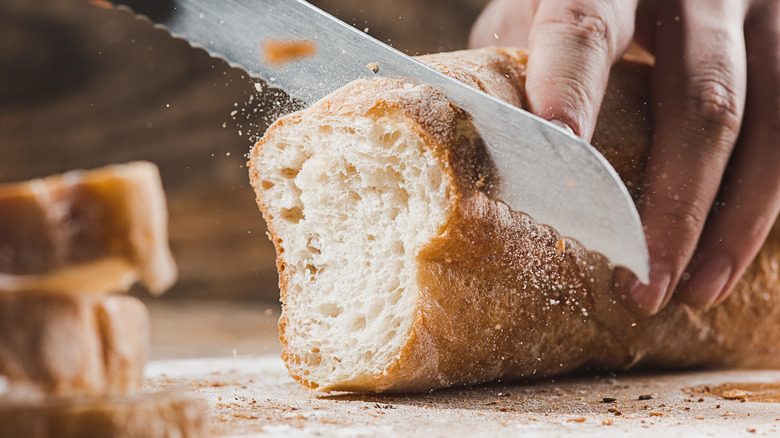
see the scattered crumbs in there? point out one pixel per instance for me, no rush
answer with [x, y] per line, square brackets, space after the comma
[717, 406]
[752, 430]
[224, 125]
[657, 414]
[701, 399]
[576, 420]
[233, 113]
[617, 412]
[606, 422]
[278, 52]
[645, 397]
[388, 406]
[245, 416]
[495, 35]
[497, 327]
[373, 66]
[608, 400]
[560, 246]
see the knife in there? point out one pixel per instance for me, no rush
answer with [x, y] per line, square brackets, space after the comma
[543, 171]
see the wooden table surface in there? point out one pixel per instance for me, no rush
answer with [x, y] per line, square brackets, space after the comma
[228, 355]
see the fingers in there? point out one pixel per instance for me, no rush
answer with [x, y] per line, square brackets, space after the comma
[573, 44]
[699, 85]
[749, 203]
[504, 23]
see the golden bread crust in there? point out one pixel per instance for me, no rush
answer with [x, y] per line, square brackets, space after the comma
[86, 232]
[163, 414]
[54, 345]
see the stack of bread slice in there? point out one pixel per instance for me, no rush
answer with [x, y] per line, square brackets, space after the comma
[73, 351]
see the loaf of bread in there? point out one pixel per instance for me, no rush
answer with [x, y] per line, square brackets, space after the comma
[399, 272]
[55, 345]
[86, 232]
[162, 414]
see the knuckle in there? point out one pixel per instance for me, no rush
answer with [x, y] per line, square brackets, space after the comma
[714, 102]
[585, 22]
[684, 219]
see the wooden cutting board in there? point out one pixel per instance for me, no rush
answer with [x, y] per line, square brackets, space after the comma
[254, 396]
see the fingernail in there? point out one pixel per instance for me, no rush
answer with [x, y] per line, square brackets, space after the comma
[708, 280]
[563, 126]
[650, 297]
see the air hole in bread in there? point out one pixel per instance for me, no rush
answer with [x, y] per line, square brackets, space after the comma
[293, 215]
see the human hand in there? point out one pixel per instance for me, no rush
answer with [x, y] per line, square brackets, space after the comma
[711, 189]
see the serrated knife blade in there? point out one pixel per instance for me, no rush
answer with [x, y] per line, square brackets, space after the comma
[556, 178]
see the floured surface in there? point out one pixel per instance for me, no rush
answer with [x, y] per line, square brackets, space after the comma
[254, 396]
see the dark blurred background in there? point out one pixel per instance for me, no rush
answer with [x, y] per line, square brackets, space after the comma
[83, 85]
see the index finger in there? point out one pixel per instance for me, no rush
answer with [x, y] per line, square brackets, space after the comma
[572, 45]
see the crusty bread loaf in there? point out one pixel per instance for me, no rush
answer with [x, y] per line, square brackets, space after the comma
[398, 272]
[82, 232]
[164, 415]
[54, 345]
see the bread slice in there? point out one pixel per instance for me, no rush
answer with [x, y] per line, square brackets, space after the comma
[399, 272]
[164, 414]
[86, 232]
[55, 345]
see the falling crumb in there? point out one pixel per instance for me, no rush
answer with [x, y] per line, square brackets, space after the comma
[224, 124]
[373, 66]
[258, 87]
[233, 113]
[495, 35]
[268, 312]
[480, 182]
[278, 52]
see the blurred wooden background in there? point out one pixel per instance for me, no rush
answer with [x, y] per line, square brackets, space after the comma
[83, 86]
